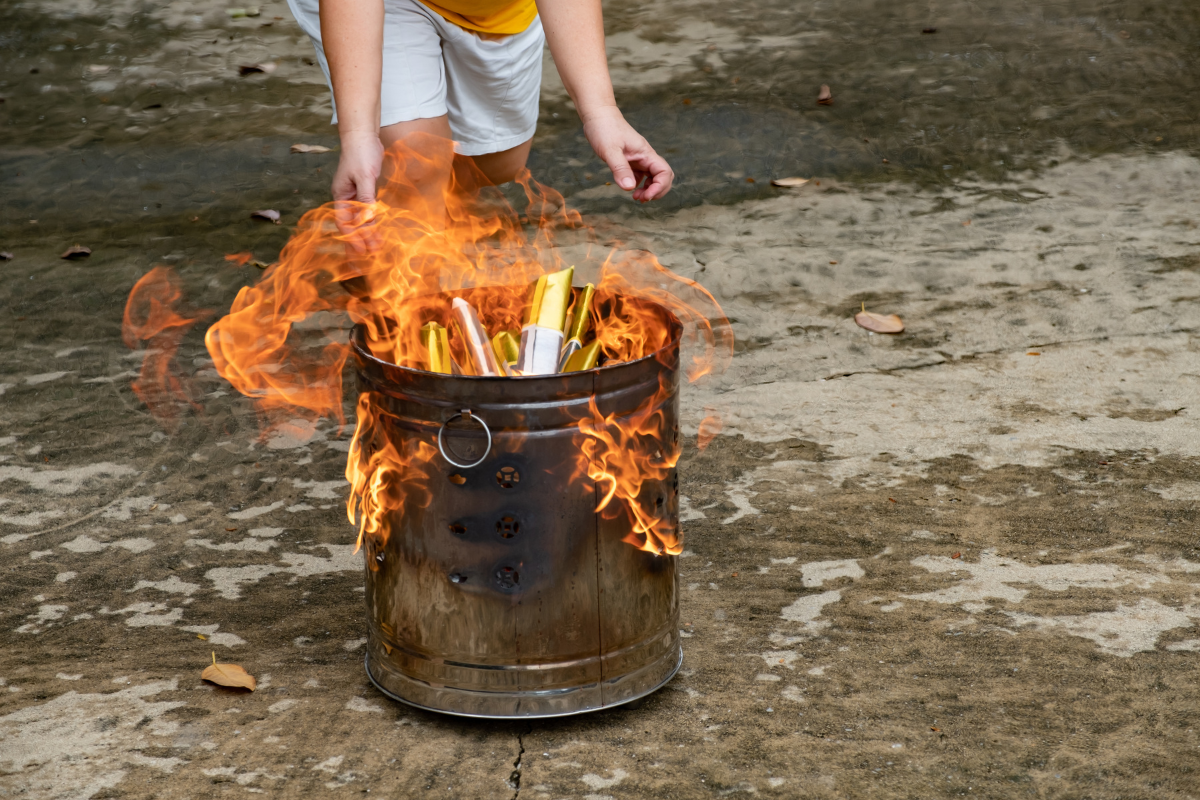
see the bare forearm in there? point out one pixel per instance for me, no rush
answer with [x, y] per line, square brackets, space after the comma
[575, 33]
[352, 35]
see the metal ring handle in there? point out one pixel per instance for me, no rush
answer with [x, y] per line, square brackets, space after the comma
[465, 414]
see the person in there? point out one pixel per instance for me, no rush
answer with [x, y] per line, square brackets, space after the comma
[468, 70]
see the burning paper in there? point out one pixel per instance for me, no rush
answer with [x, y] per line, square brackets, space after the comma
[542, 336]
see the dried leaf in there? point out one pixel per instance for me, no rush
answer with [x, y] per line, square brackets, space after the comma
[310, 148]
[457, 479]
[230, 530]
[266, 68]
[789, 182]
[1033, 353]
[76, 251]
[269, 214]
[934, 729]
[230, 675]
[879, 323]
[957, 555]
[825, 96]
[5, 255]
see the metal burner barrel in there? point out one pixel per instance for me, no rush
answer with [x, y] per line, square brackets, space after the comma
[508, 595]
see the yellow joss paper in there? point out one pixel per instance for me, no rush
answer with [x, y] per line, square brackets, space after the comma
[535, 300]
[437, 346]
[507, 347]
[551, 296]
[583, 313]
[583, 359]
[578, 322]
[552, 313]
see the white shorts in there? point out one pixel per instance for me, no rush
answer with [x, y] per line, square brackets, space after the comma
[488, 85]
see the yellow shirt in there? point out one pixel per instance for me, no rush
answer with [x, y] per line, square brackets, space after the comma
[502, 17]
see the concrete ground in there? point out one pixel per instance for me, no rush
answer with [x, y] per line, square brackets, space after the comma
[958, 562]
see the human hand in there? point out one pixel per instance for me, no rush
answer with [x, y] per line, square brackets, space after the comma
[353, 184]
[358, 166]
[634, 164]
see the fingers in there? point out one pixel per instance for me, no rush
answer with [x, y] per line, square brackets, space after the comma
[659, 177]
[623, 174]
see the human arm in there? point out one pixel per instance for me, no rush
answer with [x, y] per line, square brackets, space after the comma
[352, 37]
[575, 33]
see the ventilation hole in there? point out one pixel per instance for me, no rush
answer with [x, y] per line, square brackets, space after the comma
[508, 477]
[458, 530]
[675, 483]
[507, 578]
[508, 526]
[658, 504]
[457, 577]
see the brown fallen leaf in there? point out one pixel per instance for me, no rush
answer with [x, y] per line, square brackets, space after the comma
[76, 251]
[269, 214]
[825, 96]
[230, 530]
[789, 182]
[457, 480]
[265, 68]
[934, 729]
[230, 675]
[957, 555]
[878, 323]
[1033, 353]
[6, 256]
[310, 148]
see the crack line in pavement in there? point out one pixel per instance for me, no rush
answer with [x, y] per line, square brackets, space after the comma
[514, 780]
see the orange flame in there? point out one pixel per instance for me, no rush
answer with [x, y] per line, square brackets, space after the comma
[626, 456]
[710, 426]
[382, 478]
[437, 231]
[152, 316]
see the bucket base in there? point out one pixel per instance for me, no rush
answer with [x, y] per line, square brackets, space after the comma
[526, 704]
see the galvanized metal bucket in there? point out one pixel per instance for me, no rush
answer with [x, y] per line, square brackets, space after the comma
[507, 595]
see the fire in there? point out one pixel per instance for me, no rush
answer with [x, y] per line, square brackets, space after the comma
[625, 454]
[393, 266]
[382, 478]
[153, 316]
